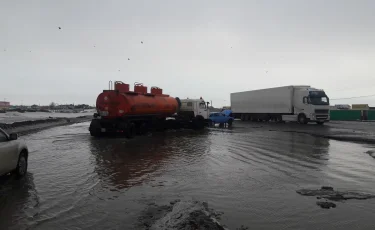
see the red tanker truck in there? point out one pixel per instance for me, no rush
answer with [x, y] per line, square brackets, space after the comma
[121, 111]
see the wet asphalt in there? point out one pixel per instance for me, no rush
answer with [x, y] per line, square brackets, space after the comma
[250, 173]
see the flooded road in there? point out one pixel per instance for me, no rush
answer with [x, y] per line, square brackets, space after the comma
[11, 117]
[249, 173]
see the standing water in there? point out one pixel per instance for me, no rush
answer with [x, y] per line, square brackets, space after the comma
[250, 174]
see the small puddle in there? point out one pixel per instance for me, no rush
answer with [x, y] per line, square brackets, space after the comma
[329, 193]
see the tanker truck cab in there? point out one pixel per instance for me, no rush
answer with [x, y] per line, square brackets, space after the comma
[310, 105]
[194, 108]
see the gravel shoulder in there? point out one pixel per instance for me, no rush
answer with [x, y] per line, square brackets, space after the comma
[358, 132]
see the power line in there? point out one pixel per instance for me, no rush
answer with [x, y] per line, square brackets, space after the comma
[372, 95]
[350, 88]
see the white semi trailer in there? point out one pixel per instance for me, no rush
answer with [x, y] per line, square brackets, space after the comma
[289, 103]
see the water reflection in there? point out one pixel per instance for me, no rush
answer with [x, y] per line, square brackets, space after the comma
[308, 146]
[125, 163]
[83, 182]
[17, 199]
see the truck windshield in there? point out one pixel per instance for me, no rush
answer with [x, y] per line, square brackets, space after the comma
[202, 105]
[318, 98]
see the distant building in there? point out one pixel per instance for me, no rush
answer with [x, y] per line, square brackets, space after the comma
[360, 107]
[342, 106]
[4, 105]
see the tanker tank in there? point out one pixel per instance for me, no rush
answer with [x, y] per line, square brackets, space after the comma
[121, 102]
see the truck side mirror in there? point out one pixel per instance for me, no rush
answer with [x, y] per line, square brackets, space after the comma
[304, 100]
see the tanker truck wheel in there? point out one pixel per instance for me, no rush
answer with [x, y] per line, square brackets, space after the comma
[198, 122]
[142, 128]
[130, 131]
[95, 128]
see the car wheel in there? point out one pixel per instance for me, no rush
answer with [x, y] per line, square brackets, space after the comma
[21, 165]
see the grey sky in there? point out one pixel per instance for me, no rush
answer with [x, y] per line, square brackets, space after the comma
[190, 49]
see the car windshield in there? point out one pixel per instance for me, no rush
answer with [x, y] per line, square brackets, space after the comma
[3, 137]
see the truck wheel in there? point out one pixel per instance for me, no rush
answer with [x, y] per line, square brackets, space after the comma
[95, 128]
[143, 128]
[130, 131]
[230, 122]
[320, 122]
[302, 119]
[21, 165]
[198, 123]
[247, 117]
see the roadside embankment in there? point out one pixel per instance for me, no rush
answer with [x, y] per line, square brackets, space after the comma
[26, 127]
[358, 132]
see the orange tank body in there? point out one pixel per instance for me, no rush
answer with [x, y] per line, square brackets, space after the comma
[120, 104]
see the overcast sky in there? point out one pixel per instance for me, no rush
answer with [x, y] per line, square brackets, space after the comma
[190, 48]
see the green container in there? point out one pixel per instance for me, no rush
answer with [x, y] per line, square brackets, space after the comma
[371, 115]
[345, 115]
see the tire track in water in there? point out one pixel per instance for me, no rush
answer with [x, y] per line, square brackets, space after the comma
[350, 165]
[267, 155]
[279, 156]
[53, 151]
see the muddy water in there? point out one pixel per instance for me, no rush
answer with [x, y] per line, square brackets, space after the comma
[11, 117]
[249, 173]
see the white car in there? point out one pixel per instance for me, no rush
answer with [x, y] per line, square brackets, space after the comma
[13, 154]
